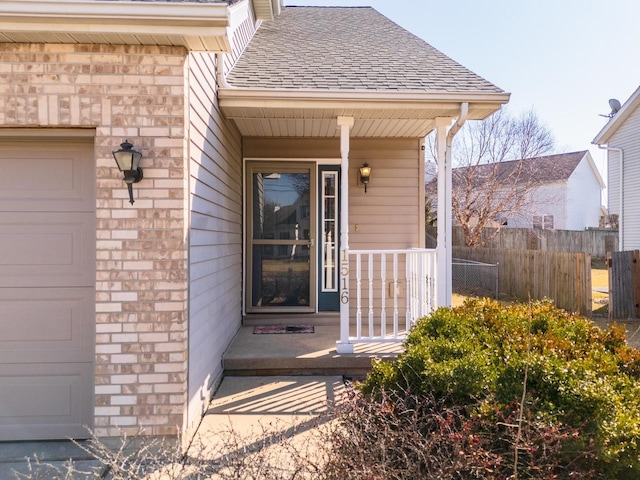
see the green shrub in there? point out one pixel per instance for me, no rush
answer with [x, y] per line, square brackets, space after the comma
[477, 357]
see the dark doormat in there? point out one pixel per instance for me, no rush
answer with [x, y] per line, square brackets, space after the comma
[283, 329]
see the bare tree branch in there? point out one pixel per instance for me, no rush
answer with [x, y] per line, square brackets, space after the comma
[492, 183]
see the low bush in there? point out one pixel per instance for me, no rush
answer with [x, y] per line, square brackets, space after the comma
[523, 379]
[483, 391]
[402, 436]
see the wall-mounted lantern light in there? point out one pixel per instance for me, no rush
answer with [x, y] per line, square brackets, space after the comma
[365, 174]
[128, 161]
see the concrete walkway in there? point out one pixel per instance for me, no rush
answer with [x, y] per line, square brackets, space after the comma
[271, 423]
[14, 455]
[276, 386]
[245, 412]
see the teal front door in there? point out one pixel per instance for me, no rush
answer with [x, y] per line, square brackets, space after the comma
[329, 236]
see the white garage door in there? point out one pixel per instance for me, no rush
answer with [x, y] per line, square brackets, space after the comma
[47, 293]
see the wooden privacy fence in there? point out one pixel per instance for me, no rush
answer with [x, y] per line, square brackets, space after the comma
[596, 241]
[624, 284]
[563, 277]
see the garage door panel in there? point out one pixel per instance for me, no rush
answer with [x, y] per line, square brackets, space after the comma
[46, 325]
[44, 399]
[59, 176]
[41, 250]
[47, 286]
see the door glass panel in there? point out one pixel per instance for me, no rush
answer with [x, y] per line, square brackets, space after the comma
[280, 240]
[281, 206]
[281, 276]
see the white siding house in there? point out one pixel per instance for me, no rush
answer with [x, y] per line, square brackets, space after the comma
[568, 196]
[561, 191]
[621, 137]
[584, 196]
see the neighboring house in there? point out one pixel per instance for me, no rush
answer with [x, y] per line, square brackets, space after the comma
[567, 193]
[621, 138]
[116, 316]
[561, 191]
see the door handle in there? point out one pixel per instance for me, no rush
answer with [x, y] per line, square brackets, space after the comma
[311, 243]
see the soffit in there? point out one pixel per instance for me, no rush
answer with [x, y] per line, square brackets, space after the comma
[199, 26]
[274, 114]
[266, 9]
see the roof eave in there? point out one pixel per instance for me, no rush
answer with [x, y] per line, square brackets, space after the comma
[196, 26]
[266, 9]
[614, 123]
[361, 99]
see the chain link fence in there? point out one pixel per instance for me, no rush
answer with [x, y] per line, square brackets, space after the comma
[475, 278]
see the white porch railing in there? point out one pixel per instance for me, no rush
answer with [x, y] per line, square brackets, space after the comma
[390, 290]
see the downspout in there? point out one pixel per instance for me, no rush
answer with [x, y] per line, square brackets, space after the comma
[455, 128]
[621, 193]
[221, 77]
[464, 113]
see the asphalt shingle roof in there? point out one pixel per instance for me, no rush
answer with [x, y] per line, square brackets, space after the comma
[547, 169]
[538, 170]
[348, 48]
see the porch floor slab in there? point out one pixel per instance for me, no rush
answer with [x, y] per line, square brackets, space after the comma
[301, 354]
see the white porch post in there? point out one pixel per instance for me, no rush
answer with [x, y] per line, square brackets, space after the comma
[343, 345]
[443, 249]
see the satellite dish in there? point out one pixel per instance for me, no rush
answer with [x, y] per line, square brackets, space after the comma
[615, 106]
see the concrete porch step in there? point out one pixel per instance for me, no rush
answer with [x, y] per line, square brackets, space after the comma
[300, 354]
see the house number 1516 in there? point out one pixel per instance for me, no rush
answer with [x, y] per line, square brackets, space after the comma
[344, 275]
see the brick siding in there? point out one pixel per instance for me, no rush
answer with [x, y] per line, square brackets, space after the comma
[135, 93]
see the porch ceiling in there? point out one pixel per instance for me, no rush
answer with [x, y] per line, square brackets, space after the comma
[376, 114]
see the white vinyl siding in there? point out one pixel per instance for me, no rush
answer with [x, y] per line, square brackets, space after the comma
[215, 223]
[584, 202]
[627, 137]
[215, 234]
[548, 199]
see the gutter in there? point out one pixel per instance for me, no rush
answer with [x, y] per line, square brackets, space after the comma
[412, 103]
[621, 193]
[274, 94]
[72, 11]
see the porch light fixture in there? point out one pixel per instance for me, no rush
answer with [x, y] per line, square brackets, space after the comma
[365, 174]
[128, 161]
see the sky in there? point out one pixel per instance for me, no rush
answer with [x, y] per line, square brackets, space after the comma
[562, 58]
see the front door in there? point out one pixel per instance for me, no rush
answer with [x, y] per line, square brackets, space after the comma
[281, 233]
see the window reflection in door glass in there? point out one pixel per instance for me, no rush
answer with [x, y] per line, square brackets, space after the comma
[281, 205]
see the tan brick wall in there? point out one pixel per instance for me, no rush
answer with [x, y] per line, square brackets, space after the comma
[135, 93]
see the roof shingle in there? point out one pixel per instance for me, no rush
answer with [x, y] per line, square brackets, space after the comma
[539, 170]
[348, 48]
